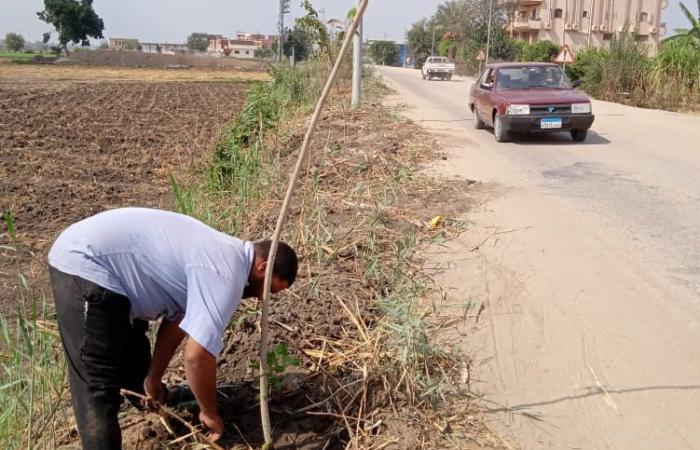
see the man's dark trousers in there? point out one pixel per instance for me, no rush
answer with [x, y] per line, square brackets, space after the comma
[105, 352]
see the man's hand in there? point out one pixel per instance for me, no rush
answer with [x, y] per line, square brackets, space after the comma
[214, 424]
[154, 391]
[169, 337]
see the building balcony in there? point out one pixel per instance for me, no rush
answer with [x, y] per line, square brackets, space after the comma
[526, 24]
[512, 3]
[535, 24]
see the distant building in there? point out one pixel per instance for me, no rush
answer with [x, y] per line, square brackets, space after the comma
[218, 46]
[119, 44]
[238, 48]
[260, 40]
[150, 47]
[582, 23]
[175, 49]
[243, 49]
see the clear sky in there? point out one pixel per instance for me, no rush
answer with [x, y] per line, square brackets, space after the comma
[173, 20]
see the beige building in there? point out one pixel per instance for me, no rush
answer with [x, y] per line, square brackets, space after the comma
[233, 47]
[582, 23]
[261, 40]
[119, 44]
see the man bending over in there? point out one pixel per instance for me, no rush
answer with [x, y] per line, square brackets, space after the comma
[114, 272]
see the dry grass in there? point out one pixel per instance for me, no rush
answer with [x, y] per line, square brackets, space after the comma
[357, 315]
[45, 72]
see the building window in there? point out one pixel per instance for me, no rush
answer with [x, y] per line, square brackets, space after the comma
[607, 36]
[585, 14]
[641, 38]
[533, 14]
[558, 13]
[643, 17]
[237, 52]
[247, 52]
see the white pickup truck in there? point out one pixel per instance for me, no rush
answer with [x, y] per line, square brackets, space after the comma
[437, 67]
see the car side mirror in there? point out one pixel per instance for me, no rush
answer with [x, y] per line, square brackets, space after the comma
[576, 84]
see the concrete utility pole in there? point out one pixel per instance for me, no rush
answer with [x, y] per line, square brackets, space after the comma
[284, 9]
[590, 22]
[357, 66]
[432, 46]
[488, 33]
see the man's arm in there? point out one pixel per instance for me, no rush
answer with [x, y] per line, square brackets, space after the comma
[200, 368]
[169, 338]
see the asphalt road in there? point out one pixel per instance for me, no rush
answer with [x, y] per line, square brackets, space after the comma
[589, 266]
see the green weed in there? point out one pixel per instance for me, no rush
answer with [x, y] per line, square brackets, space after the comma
[32, 372]
[278, 360]
[241, 173]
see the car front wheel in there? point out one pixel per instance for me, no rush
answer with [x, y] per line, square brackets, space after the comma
[579, 135]
[478, 123]
[499, 131]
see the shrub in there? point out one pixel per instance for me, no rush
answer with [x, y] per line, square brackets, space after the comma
[14, 42]
[132, 44]
[384, 52]
[627, 68]
[679, 59]
[675, 74]
[445, 47]
[618, 73]
[590, 68]
[541, 51]
[264, 53]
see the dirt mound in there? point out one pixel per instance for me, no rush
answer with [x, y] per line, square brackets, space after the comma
[139, 59]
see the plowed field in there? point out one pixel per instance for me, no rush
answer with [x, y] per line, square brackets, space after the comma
[69, 150]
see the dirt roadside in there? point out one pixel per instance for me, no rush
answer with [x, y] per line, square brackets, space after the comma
[584, 342]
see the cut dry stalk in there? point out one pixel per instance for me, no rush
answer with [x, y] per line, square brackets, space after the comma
[264, 369]
[194, 431]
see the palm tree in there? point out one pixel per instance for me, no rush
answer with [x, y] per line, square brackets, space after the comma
[692, 33]
[454, 16]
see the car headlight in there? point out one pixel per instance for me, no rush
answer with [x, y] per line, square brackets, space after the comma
[581, 108]
[518, 110]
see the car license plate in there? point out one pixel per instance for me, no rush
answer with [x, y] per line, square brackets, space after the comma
[550, 123]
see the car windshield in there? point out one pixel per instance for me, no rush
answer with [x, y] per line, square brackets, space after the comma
[438, 60]
[532, 77]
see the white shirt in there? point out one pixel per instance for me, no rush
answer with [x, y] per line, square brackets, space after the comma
[168, 265]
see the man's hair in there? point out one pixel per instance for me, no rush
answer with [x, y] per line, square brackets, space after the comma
[286, 261]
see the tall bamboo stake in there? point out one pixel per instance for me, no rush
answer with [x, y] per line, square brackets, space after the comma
[264, 369]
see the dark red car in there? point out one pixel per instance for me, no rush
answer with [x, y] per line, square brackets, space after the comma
[529, 97]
